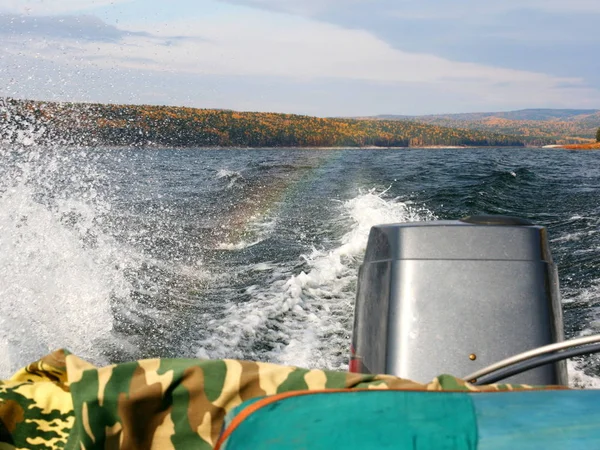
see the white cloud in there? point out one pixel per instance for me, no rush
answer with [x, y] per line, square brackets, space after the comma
[469, 10]
[254, 43]
[476, 10]
[39, 7]
[301, 7]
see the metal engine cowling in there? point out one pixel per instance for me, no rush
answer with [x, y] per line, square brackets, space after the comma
[456, 296]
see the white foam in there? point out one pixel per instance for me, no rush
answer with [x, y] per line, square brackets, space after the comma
[579, 379]
[577, 236]
[584, 296]
[226, 173]
[231, 175]
[258, 228]
[55, 288]
[238, 245]
[309, 312]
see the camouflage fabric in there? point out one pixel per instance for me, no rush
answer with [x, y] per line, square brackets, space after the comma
[36, 407]
[62, 401]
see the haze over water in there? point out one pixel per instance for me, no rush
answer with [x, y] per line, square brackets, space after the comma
[120, 254]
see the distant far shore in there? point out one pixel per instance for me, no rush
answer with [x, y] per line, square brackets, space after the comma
[31, 122]
[152, 146]
[593, 146]
[376, 147]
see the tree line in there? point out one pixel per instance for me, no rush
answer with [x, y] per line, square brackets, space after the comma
[579, 128]
[145, 125]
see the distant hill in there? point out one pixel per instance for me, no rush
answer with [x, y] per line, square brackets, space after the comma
[532, 125]
[522, 114]
[32, 122]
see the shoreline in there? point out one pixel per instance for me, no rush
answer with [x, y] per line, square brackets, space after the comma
[153, 146]
[592, 146]
[167, 147]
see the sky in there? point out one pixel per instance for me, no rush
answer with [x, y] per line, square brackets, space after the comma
[316, 57]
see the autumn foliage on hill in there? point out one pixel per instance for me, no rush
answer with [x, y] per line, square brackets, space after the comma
[531, 126]
[100, 124]
[594, 146]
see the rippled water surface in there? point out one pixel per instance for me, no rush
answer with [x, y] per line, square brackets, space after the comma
[121, 253]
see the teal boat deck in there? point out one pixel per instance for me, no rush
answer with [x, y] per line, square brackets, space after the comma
[350, 420]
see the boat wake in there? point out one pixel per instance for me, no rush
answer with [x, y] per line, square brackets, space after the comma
[303, 316]
[118, 259]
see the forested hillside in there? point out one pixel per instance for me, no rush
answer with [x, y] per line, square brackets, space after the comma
[100, 124]
[534, 126]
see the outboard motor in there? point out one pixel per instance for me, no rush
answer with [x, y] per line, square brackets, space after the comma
[454, 297]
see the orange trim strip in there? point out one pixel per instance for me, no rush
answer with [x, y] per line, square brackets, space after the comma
[249, 410]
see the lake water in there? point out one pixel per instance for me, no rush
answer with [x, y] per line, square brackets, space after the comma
[120, 254]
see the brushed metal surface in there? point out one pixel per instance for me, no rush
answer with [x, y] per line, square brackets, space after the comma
[450, 297]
